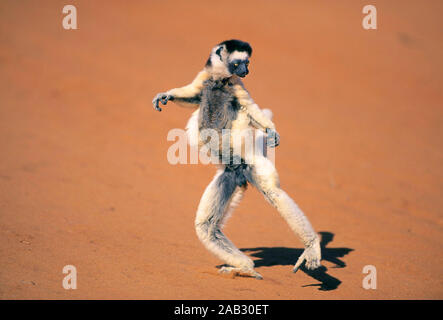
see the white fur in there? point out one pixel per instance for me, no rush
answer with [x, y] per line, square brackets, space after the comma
[218, 67]
[234, 258]
[268, 113]
[192, 129]
[235, 201]
[266, 177]
[237, 55]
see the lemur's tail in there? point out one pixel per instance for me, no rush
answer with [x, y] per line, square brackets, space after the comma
[268, 113]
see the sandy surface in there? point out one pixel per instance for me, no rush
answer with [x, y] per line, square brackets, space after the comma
[84, 178]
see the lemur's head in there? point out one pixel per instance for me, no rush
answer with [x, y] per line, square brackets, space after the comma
[229, 58]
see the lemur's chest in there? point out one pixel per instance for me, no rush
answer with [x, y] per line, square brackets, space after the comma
[218, 107]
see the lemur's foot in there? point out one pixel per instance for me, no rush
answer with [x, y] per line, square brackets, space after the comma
[273, 138]
[161, 97]
[243, 272]
[312, 255]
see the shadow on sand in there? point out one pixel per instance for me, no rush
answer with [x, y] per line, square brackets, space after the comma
[288, 256]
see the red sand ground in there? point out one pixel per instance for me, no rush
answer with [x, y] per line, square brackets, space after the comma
[84, 178]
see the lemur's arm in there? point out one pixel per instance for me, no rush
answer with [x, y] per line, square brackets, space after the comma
[187, 96]
[256, 116]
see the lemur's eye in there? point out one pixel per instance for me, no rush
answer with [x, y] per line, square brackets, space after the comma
[235, 64]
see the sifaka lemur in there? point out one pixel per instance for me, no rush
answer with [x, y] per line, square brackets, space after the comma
[222, 102]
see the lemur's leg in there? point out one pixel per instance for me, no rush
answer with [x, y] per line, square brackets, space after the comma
[217, 202]
[265, 177]
[235, 200]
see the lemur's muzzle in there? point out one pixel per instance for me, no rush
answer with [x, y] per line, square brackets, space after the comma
[242, 70]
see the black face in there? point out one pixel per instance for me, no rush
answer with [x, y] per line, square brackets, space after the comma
[239, 67]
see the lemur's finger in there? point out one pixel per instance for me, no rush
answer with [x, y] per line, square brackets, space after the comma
[155, 103]
[299, 262]
[277, 140]
[271, 143]
[156, 107]
[164, 99]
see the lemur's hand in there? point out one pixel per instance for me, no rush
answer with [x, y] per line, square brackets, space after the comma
[161, 97]
[273, 138]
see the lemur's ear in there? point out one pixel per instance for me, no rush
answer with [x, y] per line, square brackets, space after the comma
[221, 51]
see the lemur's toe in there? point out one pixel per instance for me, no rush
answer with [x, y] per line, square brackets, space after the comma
[242, 272]
[311, 265]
